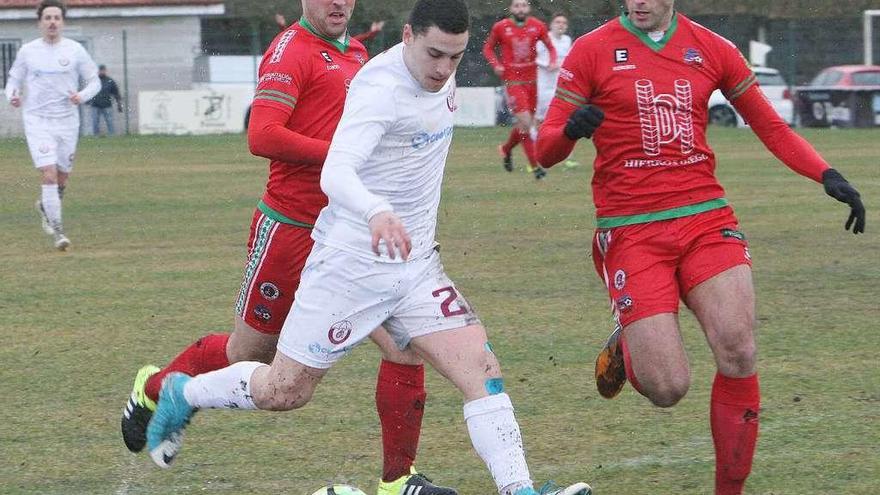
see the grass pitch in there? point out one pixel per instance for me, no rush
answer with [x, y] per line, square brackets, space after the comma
[159, 226]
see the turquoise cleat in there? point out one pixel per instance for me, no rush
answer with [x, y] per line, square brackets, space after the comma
[173, 413]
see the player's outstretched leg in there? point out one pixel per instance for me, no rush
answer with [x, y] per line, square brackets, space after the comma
[611, 366]
[138, 411]
[413, 483]
[173, 413]
[551, 488]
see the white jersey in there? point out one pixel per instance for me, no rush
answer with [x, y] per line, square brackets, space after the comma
[45, 75]
[547, 78]
[388, 154]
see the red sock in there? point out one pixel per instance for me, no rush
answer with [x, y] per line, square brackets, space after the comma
[529, 148]
[400, 401]
[516, 136]
[734, 418]
[204, 355]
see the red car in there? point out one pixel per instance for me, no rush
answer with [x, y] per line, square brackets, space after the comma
[848, 76]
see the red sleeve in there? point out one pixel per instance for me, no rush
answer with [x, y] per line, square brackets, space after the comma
[739, 84]
[269, 137]
[283, 72]
[489, 48]
[793, 150]
[367, 36]
[572, 92]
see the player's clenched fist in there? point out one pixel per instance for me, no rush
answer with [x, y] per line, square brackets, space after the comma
[386, 226]
[583, 122]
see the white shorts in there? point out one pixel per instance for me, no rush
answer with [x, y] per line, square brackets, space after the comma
[343, 297]
[546, 92]
[52, 141]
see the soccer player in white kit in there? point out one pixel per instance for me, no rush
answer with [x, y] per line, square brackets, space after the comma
[547, 74]
[375, 261]
[44, 82]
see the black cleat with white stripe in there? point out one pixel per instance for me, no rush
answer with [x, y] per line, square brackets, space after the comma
[419, 484]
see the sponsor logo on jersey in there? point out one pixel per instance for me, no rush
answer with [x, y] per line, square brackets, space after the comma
[422, 138]
[269, 291]
[692, 56]
[339, 332]
[619, 279]
[44, 149]
[566, 75]
[623, 67]
[666, 117]
[736, 234]
[281, 46]
[621, 55]
[276, 77]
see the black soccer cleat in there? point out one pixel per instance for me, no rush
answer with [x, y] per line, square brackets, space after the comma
[506, 159]
[138, 411]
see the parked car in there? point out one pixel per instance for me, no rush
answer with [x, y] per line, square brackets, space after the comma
[721, 112]
[847, 76]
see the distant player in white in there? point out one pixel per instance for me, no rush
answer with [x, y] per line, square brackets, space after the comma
[547, 75]
[375, 261]
[45, 82]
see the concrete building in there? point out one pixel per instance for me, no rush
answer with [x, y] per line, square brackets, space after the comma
[147, 45]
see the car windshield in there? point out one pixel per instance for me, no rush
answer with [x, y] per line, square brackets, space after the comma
[827, 78]
[770, 79]
[867, 78]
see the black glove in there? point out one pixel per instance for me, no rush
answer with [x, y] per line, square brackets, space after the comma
[838, 188]
[582, 123]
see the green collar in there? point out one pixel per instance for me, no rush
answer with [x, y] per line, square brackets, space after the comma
[342, 47]
[654, 45]
[519, 24]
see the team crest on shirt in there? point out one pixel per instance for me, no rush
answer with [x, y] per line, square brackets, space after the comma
[63, 62]
[360, 58]
[450, 100]
[339, 332]
[692, 57]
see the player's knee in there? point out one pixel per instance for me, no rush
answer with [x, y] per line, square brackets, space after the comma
[737, 358]
[669, 392]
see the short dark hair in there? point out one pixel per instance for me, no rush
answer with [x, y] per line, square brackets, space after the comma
[450, 16]
[558, 14]
[45, 4]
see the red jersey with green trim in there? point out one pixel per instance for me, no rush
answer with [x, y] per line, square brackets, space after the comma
[308, 76]
[652, 153]
[518, 48]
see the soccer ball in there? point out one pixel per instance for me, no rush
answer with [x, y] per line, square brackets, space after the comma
[339, 490]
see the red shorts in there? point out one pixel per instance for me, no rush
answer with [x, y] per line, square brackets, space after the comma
[647, 267]
[277, 253]
[522, 97]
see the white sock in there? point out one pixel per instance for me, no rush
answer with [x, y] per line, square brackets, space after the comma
[533, 133]
[496, 438]
[51, 204]
[226, 388]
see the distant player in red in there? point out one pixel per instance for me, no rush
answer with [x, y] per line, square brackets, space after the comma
[304, 78]
[639, 86]
[518, 36]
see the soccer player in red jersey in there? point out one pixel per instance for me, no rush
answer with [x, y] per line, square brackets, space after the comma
[518, 36]
[304, 77]
[639, 86]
